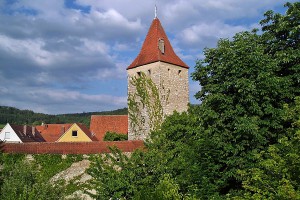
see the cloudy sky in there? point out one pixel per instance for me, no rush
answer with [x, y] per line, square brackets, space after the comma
[71, 56]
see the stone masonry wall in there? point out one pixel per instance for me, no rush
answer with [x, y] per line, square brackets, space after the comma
[172, 82]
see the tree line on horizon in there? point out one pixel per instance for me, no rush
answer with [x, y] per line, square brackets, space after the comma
[21, 117]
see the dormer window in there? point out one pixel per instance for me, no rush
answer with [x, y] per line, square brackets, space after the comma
[161, 46]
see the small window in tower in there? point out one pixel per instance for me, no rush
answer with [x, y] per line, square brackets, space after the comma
[179, 72]
[139, 74]
[74, 134]
[149, 72]
[161, 46]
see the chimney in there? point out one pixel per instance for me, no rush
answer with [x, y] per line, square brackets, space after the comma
[33, 131]
[62, 130]
[44, 125]
[25, 129]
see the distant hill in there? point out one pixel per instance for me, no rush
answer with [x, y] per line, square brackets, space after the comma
[16, 116]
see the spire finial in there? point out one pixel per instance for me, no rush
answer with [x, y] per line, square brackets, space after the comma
[155, 14]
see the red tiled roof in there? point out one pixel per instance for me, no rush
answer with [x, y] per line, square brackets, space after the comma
[87, 132]
[27, 133]
[100, 124]
[52, 132]
[150, 52]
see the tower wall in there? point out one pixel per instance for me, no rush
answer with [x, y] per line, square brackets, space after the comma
[172, 84]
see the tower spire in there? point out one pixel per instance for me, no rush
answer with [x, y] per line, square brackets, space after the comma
[155, 12]
[150, 52]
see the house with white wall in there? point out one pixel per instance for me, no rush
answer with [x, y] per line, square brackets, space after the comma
[20, 134]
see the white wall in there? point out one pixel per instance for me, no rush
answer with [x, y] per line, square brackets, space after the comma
[13, 136]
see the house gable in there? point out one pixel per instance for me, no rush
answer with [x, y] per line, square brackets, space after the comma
[75, 134]
[9, 135]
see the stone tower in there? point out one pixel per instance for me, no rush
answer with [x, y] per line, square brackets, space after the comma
[158, 61]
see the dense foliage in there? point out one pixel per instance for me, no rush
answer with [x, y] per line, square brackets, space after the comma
[16, 116]
[242, 142]
[113, 136]
[144, 174]
[24, 178]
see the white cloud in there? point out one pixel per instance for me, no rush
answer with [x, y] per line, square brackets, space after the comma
[53, 56]
[31, 49]
[199, 34]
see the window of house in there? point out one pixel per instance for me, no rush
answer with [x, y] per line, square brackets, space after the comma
[74, 134]
[149, 72]
[7, 135]
[139, 74]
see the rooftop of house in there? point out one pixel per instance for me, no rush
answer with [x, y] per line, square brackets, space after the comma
[87, 132]
[100, 124]
[52, 132]
[27, 133]
[156, 47]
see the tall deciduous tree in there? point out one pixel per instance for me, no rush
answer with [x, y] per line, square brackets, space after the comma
[163, 171]
[276, 174]
[245, 83]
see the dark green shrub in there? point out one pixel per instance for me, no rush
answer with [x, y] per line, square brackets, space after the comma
[113, 136]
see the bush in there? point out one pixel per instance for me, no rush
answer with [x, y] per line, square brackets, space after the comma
[113, 136]
[21, 179]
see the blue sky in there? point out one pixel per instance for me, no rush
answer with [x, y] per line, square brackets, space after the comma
[71, 56]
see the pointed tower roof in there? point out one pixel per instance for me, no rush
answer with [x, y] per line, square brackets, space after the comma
[156, 47]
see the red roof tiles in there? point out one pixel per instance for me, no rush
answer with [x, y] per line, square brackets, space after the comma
[87, 132]
[27, 133]
[150, 51]
[100, 124]
[52, 132]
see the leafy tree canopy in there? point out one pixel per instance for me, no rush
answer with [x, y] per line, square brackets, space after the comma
[245, 84]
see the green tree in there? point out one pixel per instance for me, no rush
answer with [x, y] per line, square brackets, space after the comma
[113, 136]
[21, 180]
[281, 35]
[277, 173]
[163, 171]
[245, 83]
